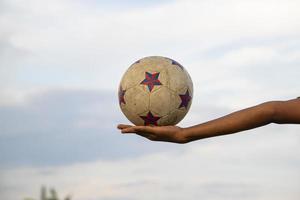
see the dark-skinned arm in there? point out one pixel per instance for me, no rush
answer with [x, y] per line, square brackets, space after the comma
[280, 112]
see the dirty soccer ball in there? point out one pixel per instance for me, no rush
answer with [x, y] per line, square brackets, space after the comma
[155, 91]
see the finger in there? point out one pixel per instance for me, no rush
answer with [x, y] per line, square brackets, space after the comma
[138, 129]
[144, 131]
[122, 126]
[129, 129]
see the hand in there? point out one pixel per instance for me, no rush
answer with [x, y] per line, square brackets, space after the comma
[156, 133]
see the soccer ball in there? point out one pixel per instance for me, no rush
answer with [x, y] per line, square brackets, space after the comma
[155, 91]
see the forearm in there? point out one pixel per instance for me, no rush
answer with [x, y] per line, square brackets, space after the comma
[276, 111]
[249, 118]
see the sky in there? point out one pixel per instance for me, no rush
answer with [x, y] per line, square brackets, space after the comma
[61, 62]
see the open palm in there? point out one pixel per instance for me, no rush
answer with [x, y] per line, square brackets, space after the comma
[156, 133]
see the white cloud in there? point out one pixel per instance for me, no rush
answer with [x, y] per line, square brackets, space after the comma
[71, 43]
[258, 165]
[239, 53]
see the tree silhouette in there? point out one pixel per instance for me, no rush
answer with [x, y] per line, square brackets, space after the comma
[53, 195]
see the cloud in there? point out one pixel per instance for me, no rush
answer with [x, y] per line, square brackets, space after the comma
[235, 52]
[253, 166]
[67, 126]
[60, 65]
[57, 127]
[56, 139]
[248, 74]
[71, 42]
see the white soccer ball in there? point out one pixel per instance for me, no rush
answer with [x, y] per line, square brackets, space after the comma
[155, 91]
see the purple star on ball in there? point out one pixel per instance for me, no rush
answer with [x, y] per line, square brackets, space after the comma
[121, 96]
[185, 99]
[149, 119]
[151, 80]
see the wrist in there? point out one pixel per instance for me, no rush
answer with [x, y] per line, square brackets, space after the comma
[184, 136]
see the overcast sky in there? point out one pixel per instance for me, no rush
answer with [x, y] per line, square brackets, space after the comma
[60, 65]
